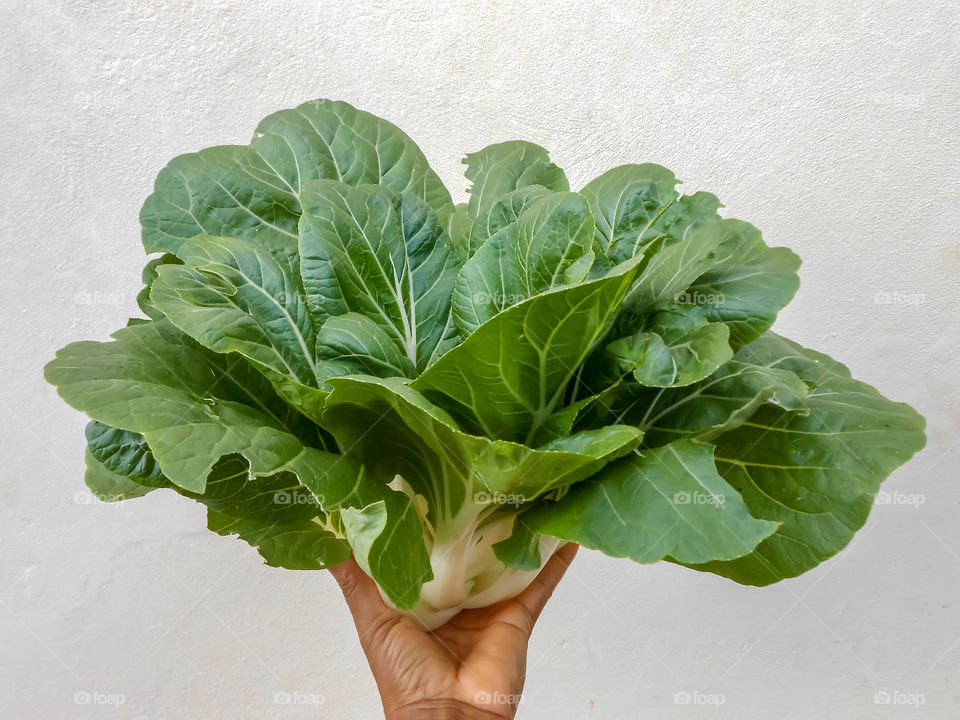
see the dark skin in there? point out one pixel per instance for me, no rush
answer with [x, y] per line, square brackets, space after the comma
[471, 668]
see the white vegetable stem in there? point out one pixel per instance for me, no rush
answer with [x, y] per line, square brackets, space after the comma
[466, 571]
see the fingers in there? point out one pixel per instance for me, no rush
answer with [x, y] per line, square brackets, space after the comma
[370, 614]
[536, 595]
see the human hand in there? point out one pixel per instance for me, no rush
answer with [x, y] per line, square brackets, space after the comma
[471, 668]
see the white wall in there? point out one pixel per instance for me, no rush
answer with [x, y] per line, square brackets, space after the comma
[831, 126]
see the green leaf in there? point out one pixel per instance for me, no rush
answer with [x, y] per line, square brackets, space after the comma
[561, 422]
[637, 205]
[669, 271]
[458, 225]
[148, 276]
[678, 347]
[110, 486]
[275, 499]
[501, 214]
[663, 503]
[301, 545]
[232, 296]
[124, 453]
[718, 404]
[271, 510]
[626, 201]
[254, 191]
[387, 541]
[747, 284]
[275, 514]
[354, 344]
[502, 168]
[353, 147]
[386, 256]
[192, 406]
[393, 430]
[548, 246]
[522, 549]
[510, 375]
[815, 469]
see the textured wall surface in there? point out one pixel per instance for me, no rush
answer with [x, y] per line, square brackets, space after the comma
[831, 126]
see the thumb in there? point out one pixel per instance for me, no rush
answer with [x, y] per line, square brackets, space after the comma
[535, 596]
[370, 614]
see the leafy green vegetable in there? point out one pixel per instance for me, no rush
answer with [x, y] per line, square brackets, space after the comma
[549, 245]
[678, 347]
[338, 360]
[816, 467]
[669, 502]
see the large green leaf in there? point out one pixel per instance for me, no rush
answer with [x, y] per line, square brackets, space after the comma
[636, 205]
[815, 469]
[509, 376]
[502, 168]
[501, 214]
[191, 405]
[232, 296]
[747, 284]
[626, 201]
[276, 499]
[386, 256]
[663, 503]
[393, 430]
[230, 487]
[275, 514]
[549, 245]
[253, 191]
[299, 545]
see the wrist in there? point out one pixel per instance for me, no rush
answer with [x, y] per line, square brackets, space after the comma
[441, 710]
